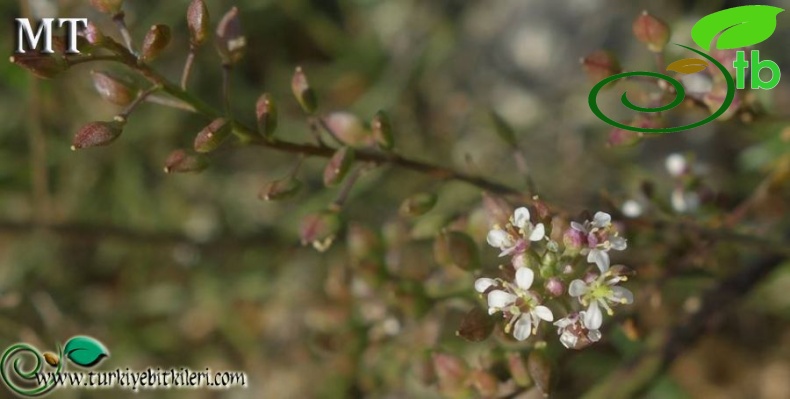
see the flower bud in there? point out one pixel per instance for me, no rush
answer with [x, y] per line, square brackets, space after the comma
[154, 42]
[93, 34]
[266, 113]
[476, 325]
[96, 134]
[107, 6]
[198, 22]
[113, 88]
[338, 166]
[347, 128]
[231, 42]
[540, 370]
[651, 31]
[548, 264]
[518, 369]
[280, 189]
[600, 64]
[503, 129]
[623, 138]
[302, 91]
[51, 359]
[555, 287]
[485, 383]
[574, 241]
[451, 372]
[211, 136]
[418, 204]
[181, 161]
[497, 209]
[320, 229]
[382, 130]
[44, 66]
[454, 248]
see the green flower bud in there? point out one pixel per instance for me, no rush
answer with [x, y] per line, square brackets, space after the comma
[266, 113]
[338, 166]
[181, 161]
[382, 130]
[302, 91]
[157, 38]
[320, 229]
[198, 22]
[418, 204]
[211, 136]
[113, 88]
[280, 189]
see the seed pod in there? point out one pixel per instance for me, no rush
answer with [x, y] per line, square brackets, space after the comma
[518, 369]
[485, 383]
[382, 130]
[212, 135]
[600, 64]
[320, 229]
[154, 42]
[302, 91]
[44, 66]
[476, 325]
[338, 166]
[113, 88]
[51, 359]
[230, 41]
[107, 6]
[454, 248]
[198, 22]
[280, 189]
[182, 161]
[347, 128]
[418, 204]
[266, 113]
[540, 370]
[96, 134]
[451, 372]
[651, 31]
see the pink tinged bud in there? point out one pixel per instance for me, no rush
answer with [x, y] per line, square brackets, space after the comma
[476, 326]
[454, 248]
[347, 128]
[540, 370]
[651, 31]
[485, 383]
[96, 134]
[44, 66]
[182, 161]
[518, 369]
[155, 41]
[623, 138]
[280, 189]
[231, 42]
[113, 88]
[302, 91]
[266, 114]
[497, 209]
[451, 372]
[555, 287]
[198, 22]
[382, 130]
[600, 64]
[211, 136]
[574, 241]
[338, 166]
[107, 6]
[320, 229]
[418, 204]
[93, 35]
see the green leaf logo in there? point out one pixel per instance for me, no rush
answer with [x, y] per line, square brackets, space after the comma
[739, 26]
[85, 351]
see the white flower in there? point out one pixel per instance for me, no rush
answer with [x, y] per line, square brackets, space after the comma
[516, 303]
[601, 292]
[601, 237]
[573, 334]
[517, 234]
[685, 201]
[676, 164]
[631, 208]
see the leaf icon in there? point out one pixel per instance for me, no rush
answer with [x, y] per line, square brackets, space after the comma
[687, 65]
[739, 26]
[85, 351]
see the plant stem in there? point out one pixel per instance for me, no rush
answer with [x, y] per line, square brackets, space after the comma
[226, 90]
[127, 37]
[188, 67]
[348, 184]
[137, 101]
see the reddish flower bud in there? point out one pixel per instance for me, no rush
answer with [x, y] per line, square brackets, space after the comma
[418, 204]
[93, 34]
[97, 134]
[338, 166]
[157, 38]
[382, 130]
[212, 135]
[302, 91]
[600, 64]
[107, 6]
[320, 229]
[485, 383]
[230, 42]
[280, 189]
[651, 31]
[182, 161]
[451, 372]
[44, 66]
[497, 209]
[113, 88]
[518, 369]
[574, 241]
[623, 138]
[454, 248]
[198, 22]
[555, 287]
[347, 128]
[540, 370]
[476, 326]
[266, 113]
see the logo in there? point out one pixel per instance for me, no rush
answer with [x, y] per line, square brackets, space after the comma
[24, 34]
[736, 27]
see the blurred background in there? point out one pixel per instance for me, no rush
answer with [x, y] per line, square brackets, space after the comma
[194, 270]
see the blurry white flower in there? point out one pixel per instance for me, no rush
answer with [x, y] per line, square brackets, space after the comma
[517, 234]
[676, 164]
[684, 201]
[516, 303]
[573, 334]
[600, 292]
[631, 208]
[601, 237]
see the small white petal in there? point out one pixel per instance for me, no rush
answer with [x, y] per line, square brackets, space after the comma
[519, 261]
[538, 232]
[676, 164]
[577, 288]
[500, 299]
[600, 258]
[523, 328]
[568, 339]
[631, 209]
[482, 284]
[602, 219]
[578, 227]
[594, 335]
[524, 278]
[497, 238]
[593, 318]
[544, 313]
[521, 217]
[563, 323]
[618, 243]
[620, 294]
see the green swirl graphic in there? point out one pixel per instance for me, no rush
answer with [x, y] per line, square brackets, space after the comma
[29, 375]
[679, 96]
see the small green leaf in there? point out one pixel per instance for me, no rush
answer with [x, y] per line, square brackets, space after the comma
[739, 27]
[85, 351]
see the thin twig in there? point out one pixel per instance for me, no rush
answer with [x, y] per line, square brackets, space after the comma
[137, 101]
[169, 102]
[345, 190]
[188, 66]
[119, 19]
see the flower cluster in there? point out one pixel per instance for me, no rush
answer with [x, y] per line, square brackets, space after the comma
[534, 256]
